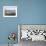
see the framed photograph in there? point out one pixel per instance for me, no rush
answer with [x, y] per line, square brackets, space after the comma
[9, 11]
[31, 32]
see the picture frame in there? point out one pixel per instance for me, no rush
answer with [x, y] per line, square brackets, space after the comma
[9, 11]
[39, 28]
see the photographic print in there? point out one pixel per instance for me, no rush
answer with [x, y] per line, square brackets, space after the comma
[33, 32]
[9, 11]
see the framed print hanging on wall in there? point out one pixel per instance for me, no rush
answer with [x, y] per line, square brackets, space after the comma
[9, 11]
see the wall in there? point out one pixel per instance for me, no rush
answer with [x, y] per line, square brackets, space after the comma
[29, 12]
